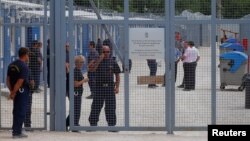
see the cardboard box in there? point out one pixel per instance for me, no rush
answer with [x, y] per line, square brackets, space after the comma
[159, 79]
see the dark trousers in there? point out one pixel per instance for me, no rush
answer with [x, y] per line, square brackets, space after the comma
[36, 73]
[48, 73]
[77, 109]
[92, 82]
[152, 64]
[176, 64]
[19, 111]
[27, 120]
[67, 84]
[103, 94]
[189, 75]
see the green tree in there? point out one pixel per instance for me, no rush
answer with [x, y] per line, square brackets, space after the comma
[235, 8]
[230, 8]
[116, 5]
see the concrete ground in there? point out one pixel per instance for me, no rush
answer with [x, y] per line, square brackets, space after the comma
[106, 136]
[147, 107]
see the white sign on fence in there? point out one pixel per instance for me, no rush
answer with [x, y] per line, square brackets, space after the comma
[146, 43]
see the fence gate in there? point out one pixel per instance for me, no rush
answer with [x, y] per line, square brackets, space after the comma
[139, 104]
[21, 24]
[143, 37]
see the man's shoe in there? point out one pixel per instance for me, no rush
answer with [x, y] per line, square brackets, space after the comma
[19, 136]
[186, 89]
[180, 86]
[28, 129]
[89, 97]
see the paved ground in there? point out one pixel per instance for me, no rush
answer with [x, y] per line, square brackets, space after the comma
[147, 107]
[104, 136]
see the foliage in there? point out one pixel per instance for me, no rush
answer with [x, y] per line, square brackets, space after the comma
[229, 8]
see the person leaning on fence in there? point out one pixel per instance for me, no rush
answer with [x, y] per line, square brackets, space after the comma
[18, 84]
[105, 67]
[79, 80]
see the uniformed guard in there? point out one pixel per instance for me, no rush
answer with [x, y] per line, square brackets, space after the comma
[105, 67]
[93, 55]
[18, 84]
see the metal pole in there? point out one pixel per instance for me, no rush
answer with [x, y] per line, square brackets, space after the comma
[169, 89]
[126, 72]
[45, 34]
[0, 59]
[6, 41]
[213, 61]
[71, 56]
[58, 38]
[52, 66]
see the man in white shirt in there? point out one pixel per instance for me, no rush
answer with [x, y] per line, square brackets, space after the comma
[190, 59]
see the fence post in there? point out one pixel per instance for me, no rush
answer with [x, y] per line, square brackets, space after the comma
[58, 40]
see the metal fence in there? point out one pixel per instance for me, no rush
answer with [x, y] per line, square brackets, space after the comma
[138, 106]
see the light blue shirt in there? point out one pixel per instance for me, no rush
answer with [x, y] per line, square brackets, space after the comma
[177, 54]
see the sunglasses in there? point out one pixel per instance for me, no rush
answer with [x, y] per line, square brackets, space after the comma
[105, 51]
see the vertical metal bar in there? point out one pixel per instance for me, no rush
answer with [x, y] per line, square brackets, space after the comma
[1, 8]
[169, 109]
[213, 61]
[59, 38]
[45, 34]
[85, 39]
[60, 67]
[1, 62]
[172, 59]
[7, 47]
[78, 39]
[52, 65]
[71, 55]
[17, 39]
[126, 72]
[93, 33]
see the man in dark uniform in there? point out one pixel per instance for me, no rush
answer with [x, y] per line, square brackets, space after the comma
[17, 82]
[78, 90]
[105, 68]
[35, 63]
[93, 55]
